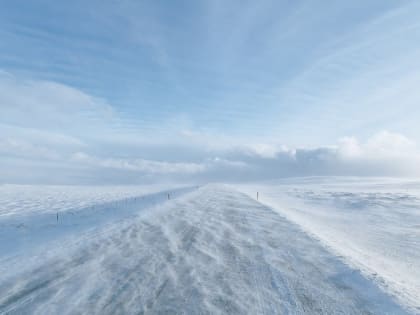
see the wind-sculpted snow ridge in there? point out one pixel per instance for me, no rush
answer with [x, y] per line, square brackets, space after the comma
[212, 251]
[374, 224]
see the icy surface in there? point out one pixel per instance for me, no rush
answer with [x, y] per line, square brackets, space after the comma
[374, 224]
[211, 251]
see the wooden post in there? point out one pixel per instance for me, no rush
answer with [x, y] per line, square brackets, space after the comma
[57, 217]
[169, 197]
[257, 195]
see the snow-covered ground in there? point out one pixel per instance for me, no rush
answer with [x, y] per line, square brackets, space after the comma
[24, 199]
[208, 250]
[34, 216]
[373, 224]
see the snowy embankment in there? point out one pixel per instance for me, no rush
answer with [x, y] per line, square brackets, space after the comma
[34, 199]
[374, 224]
[34, 216]
[211, 251]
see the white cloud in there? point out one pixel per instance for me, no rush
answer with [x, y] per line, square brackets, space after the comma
[138, 165]
[46, 105]
[349, 147]
[375, 157]
[383, 145]
[19, 148]
[53, 133]
[389, 144]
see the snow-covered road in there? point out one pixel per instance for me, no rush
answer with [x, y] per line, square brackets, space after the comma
[212, 251]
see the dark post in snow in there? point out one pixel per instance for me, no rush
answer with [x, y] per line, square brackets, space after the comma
[57, 217]
[257, 195]
[169, 197]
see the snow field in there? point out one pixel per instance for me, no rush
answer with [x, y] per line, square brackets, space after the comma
[211, 251]
[374, 224]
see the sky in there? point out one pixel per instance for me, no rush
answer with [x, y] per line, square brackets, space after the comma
[98, 92]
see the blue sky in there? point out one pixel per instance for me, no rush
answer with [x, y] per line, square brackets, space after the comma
[198, 87]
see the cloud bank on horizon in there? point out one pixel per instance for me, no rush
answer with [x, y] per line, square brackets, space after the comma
[130, 92]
